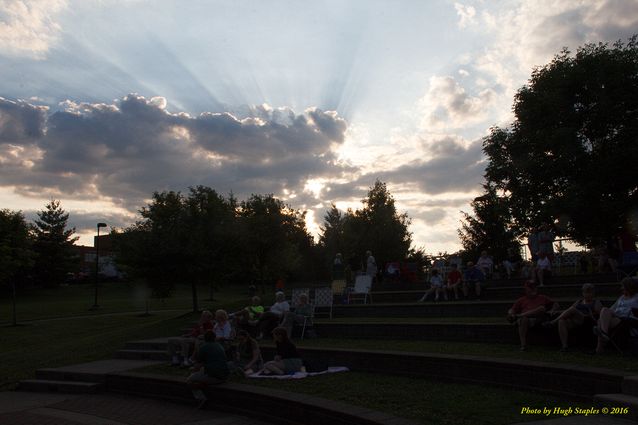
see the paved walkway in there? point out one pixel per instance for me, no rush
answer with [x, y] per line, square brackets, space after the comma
[23, 408]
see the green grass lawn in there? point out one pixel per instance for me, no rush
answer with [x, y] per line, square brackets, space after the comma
[63, 342]
[113, 297]
[429, 402]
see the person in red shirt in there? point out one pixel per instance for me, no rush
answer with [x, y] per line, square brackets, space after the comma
[454, 281]
[530, 310]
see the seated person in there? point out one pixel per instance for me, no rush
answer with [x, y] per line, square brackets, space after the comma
[485, 264]
[584, 310]
[302, 311]
[529, 311]
[474, 277]
[622, 310]
[436, 287]
[287, 359]
[249, 315]
[183, 344]
[212, 359]
[248, 355]
[454, 281]
[511, 262]
[222, 331]
[543, 269]
[271, 319]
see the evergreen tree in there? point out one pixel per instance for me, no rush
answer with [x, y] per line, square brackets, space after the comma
[53, 245]
[489, 229]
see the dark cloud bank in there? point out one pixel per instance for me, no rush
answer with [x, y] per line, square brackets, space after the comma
[127, 150]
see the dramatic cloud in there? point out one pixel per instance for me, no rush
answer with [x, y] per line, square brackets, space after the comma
[29, 27]
[447, 104]
[126, 150]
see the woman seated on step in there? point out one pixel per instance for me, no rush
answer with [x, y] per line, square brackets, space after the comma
[223, 333]
[179, 347]
[249, 317]
[287, 360]
[248, 355]
[211, 367]
[436, 286]
[623, 310]
[583, 312]
[273, 317]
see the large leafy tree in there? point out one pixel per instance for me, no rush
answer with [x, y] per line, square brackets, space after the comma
[377, 226]
[489, 228]
[16, 255]
[273, 236]
[571, 152]
[53, 245]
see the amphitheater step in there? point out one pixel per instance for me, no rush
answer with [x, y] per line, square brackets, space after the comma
[156, 344]
[619, 402]
[142, 354]
[630, 386]
[50, 386]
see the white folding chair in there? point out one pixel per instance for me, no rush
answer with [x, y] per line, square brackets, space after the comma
[362, 285]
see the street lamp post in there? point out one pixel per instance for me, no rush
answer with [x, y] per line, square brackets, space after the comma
[97, 263]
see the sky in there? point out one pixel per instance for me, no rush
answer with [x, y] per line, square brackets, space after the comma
[103, 102]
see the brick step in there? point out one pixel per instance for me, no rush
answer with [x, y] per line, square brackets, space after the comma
[51, 386]
[142, 354]
[618, 401]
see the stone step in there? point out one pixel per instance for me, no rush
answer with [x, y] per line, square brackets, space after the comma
[157, 344]
[52, 386]
[618, 401]
[435, 309]
[504, 293]
[630, 385]
[459, 332]
[142, 354]
[64, 375]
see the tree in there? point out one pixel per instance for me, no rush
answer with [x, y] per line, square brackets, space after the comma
[53, 245]
[570, 154]
[377, 227]
[16, 255]
[490, 228]
[273, 235]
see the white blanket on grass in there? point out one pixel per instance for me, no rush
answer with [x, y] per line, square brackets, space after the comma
[301, 375]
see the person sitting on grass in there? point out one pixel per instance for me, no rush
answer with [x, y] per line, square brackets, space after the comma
[454, 281]
[248, 355]
[181, 346]
[436, 287]
[474, 278]
[622, 310]
[585, 310]
[212, 359]
[543, 270]
[271, 319]
[529, 311]
[302, 312]
[287, 360]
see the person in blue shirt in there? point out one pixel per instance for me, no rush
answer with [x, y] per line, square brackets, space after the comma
[474, 277]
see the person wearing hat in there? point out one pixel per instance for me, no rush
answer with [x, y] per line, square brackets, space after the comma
[530, 310]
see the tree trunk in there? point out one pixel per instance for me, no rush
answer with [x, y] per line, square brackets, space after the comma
[14, 320]
[194, 290]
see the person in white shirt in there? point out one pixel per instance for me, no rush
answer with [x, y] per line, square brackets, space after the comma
[436, 286]
[485, 263]
[624, 308]
[543, 268]
[371, 265]
[271, 319]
